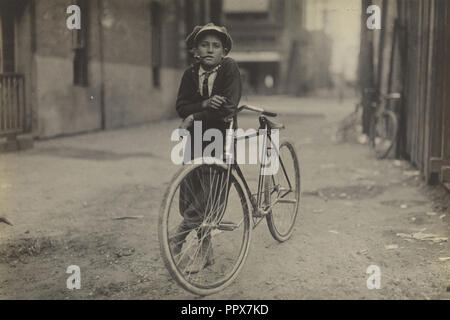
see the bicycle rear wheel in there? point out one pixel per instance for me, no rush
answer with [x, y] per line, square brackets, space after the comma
[204, 233]
[385, 135]
[282, 193]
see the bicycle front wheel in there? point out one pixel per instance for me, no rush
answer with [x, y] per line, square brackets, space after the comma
[204, 228]
[282, 193]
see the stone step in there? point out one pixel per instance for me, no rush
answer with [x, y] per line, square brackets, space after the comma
[20, 142]
[8, 146]
[25, 141]
[445, 174]
[447, 186]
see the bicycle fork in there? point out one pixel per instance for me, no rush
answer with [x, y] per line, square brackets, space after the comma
[259, 211]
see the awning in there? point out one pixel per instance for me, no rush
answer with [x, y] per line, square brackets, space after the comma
[255, 56]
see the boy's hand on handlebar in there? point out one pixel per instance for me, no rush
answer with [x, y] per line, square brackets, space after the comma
[215, 102]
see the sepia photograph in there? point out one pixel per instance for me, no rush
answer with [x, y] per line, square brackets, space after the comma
[225, 150]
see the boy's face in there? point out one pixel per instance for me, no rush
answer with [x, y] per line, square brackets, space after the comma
[210, 50]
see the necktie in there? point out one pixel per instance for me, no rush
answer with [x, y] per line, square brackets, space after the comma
[205, 89]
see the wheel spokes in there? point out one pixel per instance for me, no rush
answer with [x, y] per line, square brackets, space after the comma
[210, 249]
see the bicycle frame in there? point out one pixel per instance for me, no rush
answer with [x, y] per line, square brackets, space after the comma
[259, 210]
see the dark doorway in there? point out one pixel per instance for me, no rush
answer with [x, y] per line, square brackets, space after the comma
[7, 43]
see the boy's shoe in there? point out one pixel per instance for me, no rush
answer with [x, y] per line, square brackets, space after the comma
[176, 242]
[204, 258]
[175, 247]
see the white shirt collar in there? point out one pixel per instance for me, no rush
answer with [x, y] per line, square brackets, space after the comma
[201, 71]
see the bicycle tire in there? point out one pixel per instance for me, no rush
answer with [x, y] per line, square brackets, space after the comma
[272, 220]
[163, 231]
[388, 134]
[372, 133]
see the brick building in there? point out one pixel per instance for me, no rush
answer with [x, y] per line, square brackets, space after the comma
[121, 68]
[275, 52]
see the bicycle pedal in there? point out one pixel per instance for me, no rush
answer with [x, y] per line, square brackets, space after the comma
[260, 213]
[227, 226]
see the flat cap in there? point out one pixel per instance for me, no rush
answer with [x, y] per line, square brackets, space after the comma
[222, 32]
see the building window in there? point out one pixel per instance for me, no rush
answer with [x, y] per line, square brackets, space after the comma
[252, 9]
[7, 54]
[156, 25]
[80, 47]
[237, 6]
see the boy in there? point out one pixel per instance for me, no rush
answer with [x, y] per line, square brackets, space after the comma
[210, 90]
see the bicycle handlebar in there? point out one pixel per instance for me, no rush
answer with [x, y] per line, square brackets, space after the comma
[251, 108]
[256, 109]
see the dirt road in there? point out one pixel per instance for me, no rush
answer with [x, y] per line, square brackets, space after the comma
[63, 195]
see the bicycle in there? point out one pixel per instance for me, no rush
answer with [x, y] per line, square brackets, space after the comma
[229, 211]
[384, 126]
[356, 126]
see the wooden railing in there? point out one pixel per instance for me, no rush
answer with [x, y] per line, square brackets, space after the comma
[12, 104]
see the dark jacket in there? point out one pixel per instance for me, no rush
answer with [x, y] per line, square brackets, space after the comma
[227, 84]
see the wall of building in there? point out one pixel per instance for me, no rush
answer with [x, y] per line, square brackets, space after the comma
[130, 95]
[410, 55]
[120, 90]
[426, 126]
[340, 21]
[61, 107]
[25, 63]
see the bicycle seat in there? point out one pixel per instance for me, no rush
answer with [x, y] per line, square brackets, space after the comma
[271, 124]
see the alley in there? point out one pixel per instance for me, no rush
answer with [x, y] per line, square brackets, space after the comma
[92, 200]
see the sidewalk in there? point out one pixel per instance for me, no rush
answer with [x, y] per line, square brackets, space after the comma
[63, 195]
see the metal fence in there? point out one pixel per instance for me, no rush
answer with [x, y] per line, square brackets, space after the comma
[12, 104]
